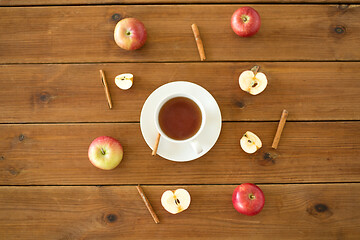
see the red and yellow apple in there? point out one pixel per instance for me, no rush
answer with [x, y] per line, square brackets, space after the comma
[105, 152]
[130, 34]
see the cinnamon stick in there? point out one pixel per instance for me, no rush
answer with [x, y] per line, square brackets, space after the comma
[147, 204]
[280, 128]
[199, 42]
[103, 80]
[156, 145]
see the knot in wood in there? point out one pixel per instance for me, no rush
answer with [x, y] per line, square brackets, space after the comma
[343, 6]
[45, 97]
[13, 171]
[340, 29]
[21, 137]
[240, 104]
[116, 17]
[320, 208]
[111, 218]
[267, 156]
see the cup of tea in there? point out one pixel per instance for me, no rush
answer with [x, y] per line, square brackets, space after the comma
[180, 118]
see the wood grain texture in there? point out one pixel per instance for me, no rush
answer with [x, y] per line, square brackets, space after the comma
[57, 155]
[85, 2]
[291, 212]
[53, 93]
[85, 33]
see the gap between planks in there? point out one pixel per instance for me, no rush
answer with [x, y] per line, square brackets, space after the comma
[174, 62]
[200, 184]
[171, 3]
[137, 122]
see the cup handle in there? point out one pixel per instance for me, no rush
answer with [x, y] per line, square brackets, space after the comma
[196, 146]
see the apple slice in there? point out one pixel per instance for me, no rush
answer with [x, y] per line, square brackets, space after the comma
[252, 81]
[250, 143]
[124, 81]
[175, 201]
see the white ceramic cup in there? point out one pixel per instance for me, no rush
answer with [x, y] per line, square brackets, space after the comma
[192, 140]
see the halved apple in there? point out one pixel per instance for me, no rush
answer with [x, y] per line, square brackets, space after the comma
[250, 143]
[124, 81]
[175, 201]
[253, 82]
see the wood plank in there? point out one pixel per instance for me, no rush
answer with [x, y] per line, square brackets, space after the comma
[291, 212]
[51, 93]
[85, 33]
[57, 155]
[85, 2]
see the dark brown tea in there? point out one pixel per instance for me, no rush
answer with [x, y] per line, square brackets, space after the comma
[180, 118]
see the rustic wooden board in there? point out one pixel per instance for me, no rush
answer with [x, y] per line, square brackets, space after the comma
[52, 93]
[85, 2]
[85, 33]
[57, 155]
[320, 211]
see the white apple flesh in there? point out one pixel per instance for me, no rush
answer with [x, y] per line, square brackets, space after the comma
[124, 81]
[105, 152]
[175, 201]
[250, 143]
[251, 83]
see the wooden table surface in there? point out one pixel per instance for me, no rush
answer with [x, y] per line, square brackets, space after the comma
[52, 105]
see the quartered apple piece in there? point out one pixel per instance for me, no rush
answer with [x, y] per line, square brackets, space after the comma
[175, 201]
[124, 81]
[250, 143]
[252, 81]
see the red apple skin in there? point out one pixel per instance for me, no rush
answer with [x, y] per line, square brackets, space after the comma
[130, 34]
[248, 199]
[113, 152]
[245, 21]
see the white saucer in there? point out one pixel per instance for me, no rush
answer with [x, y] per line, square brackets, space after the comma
[181, 152]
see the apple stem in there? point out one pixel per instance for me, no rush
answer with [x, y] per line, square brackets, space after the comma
[251, 196]
[255, 70]
[102, 151]
[244, 18]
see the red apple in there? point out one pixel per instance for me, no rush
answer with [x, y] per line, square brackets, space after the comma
[130, 34]
[248, 199]
[105, 152]
[245, 21]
